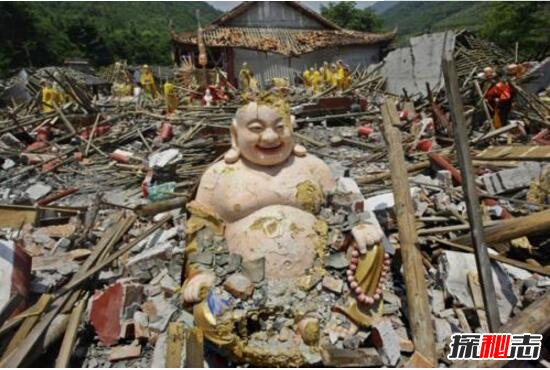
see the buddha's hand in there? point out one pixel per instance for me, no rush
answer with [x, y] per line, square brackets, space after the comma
[366, 235]
[192, 287]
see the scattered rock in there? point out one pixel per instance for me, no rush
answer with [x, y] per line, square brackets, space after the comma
[333, 284]
[38, 191]
[239, 286]
[384, 338]
[125, 352]
[255, 270]
[337, 261]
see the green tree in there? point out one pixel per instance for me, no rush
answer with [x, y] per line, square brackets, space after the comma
[347, 15]
[525, 22]
[17, 29]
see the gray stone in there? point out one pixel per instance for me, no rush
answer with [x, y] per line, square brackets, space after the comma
[168, 284]
[386, 339]
[255, 270]
[337, 261]
[333, 284]
[163, 312]
[40, 238]
[511, 179]
[437, 301]
[8, 163]
[234, 262]
[204, 258]
[62, 244]
[443, 330]
[38, 190]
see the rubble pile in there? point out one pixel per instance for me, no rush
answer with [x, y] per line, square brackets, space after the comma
[92, 215]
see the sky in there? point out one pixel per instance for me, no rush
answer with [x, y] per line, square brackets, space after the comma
[315, 5]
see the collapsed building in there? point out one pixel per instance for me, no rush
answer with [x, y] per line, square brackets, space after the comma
[279, 39]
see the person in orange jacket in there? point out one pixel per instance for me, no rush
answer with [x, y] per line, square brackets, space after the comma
[499, 97]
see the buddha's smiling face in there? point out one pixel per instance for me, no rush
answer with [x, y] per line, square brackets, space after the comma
[262, 134]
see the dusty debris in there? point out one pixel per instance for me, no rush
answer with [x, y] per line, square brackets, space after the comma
[125, 352]
[387, 341]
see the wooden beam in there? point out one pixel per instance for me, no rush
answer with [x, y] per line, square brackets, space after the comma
[512, 228]
[413, 270]
[27, 325]
[65, 351]
[174, 345]
[194, 348]
[470, 192]
[368, 179]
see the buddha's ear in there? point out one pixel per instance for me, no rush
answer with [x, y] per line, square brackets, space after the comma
[233, 131]
[233, 154]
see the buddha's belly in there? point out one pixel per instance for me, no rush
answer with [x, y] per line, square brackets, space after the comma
[286, 236]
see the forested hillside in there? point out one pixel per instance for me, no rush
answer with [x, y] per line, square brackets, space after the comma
[43, 33]
[503, 22]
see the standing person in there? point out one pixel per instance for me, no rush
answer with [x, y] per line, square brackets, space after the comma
[340, 75]
[499, 97]
[245, 77]
[147, 81]
[334, 77]
[316, 81]
[327, 75]
[306, 78]
[60, 91]
[170, 97]
[49, 96]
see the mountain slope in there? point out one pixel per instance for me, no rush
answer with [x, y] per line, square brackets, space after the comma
[145, 15]
[416, 17]
[380, 7]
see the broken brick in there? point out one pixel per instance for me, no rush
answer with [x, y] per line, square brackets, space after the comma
[110, 307]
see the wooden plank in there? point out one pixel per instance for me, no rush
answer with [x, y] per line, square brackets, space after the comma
[512, 228]
[65, 352]
[414, 274]
[368, 179]
[174, 345]
[27, 324]
[194, 348]
[516, 152]
[15, 216]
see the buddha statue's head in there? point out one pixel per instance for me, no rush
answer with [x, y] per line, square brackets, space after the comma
[261, 133]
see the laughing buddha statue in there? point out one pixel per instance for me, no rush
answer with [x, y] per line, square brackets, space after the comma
[257, 275]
